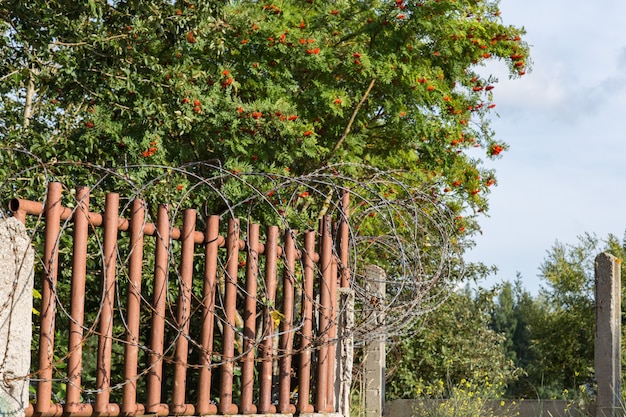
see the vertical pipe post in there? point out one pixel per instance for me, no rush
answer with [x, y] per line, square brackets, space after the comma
[131, 349]
[184, 311]
[77, 299]
[345, 310]
[230, 301]
[204, 405]
[325, 264]
[344, 241]
[304, 377]
[155, 375]
[52, 213]
[266, 357]
[249, 317]
[103, 377]
[608, 361]
[286, 325]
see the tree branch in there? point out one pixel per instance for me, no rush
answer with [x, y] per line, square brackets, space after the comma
[30, 94]
[354, 113]
[83, 43]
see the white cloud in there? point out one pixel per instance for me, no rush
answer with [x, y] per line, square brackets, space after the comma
[542, 89]
[564, 174]
[621, 59]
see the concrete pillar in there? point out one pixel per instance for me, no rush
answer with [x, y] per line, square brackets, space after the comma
[16, 306]
[345, 353]
[374, 355]
[607, 351]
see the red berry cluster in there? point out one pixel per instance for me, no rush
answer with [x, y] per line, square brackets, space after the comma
[151, 150]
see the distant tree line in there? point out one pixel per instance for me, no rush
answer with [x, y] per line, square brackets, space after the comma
[534, 346]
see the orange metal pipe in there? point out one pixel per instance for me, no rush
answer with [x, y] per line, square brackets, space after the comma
[184, 313]
[103, 377]
[321, 392]
[266, 356]
[133, 308]
[230, 307]
[304, 377]
[212, 238]
[86, 410]
[52, 212]
[286, 326]
[20, 208]
[249, 317]
[161, 267]
[77, 300]
[184, 410]
[344, 241]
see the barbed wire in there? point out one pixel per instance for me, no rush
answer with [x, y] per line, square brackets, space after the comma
[394, 221]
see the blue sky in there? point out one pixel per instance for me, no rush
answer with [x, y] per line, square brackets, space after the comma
[565, 122]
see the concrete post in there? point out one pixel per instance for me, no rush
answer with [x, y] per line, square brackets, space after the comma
[608, 335]
[16, 306]
[374, 357]
[345, 354]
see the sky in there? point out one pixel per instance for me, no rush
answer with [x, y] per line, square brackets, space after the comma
[565, 172]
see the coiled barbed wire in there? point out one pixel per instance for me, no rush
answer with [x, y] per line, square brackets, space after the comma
[395, 221]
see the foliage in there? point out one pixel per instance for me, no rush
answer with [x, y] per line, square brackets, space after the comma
[563, 337]
[105, 93]
[283, 87]
[470, 399]
[455, 345]
[514, 315]
[504, 320]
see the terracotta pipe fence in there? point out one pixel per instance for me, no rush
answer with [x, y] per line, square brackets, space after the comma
[164, 319]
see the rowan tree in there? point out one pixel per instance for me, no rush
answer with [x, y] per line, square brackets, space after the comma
[283, 87]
